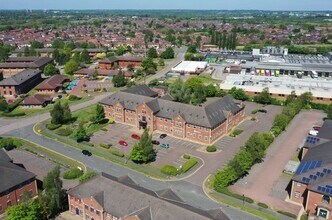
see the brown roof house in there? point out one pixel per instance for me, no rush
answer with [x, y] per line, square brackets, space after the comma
[120, 61]
[14, 65]
[15, 180]
[52, 85]
[108, 197]
[36, 101]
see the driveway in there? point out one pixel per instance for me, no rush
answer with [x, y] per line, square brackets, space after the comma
[265, 182]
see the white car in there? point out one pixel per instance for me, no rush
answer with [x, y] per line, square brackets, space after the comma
[313, 132]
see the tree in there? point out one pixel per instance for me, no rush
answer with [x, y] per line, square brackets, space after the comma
[238, 94]
[143, 151]
[224, 178]
[85, 57]
[51, 70]
[305, 99]
[161, 62]
[57, 114]
[119, 80]
[281, 121]
[211, 90]
[329, 111]
[58, 44]
[198, 97]
[168, 53]
[29, 211]
[3, 104]
[194, 83]
[192, 49]
[131, 67]
[176, 90]
[100, 114]
[80, 133]
[71, 66]
[66, 112]
[264, 97]
[148, 63]
[152, 53]
[36, 44]
[54, 197]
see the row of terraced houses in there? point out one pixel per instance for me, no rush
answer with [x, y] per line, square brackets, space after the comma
[141, 107]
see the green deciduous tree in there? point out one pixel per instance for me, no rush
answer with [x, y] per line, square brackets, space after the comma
[119, 80]
[100, 114]
[238, 94]
[143, 151]
[264, 97]
[192, 49]
[80, 133]
[152, 53]
[71, 66]
[60, 113]
[50, 70]
[36, 44]
[224, 178]
[26, 211]
[281, 121]
[329, 111]
[85, 57]
[168, 53]
[148, 63]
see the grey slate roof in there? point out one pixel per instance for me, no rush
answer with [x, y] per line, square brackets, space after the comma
[133, 200]
[209, 116]
[12, 175]
[20, 78]
[4, 156]
[25, 62]
[141, 90]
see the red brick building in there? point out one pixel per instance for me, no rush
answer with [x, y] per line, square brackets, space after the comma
[311, 185]
[139, 107]
[120, 61]
[36, 101]
[52, 84]
[20, 83]
[14, 182]
[106, 197]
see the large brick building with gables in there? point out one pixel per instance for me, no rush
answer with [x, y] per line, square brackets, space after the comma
[140, 107]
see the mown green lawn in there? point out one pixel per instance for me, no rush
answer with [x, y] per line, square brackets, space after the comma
[207, 79]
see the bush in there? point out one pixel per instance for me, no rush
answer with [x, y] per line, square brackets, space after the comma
[117, 153]
[186, 156]
[211, 148]
[111, 121]
[72, 173]
[188, 164]
[106, 146]
[169, 170]
[64, 131]
[52, 127]
[13, 114]
[254, 111]
[88, 175]
[235, 132]
[263, 205]
[291, 215]
[73, 98]
[9, 143]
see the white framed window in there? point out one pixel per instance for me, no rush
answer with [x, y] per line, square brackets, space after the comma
[297, 195]
[298, 184]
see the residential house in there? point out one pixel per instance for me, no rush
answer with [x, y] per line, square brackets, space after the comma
[36, 101]
[311, 185]
[120, 61]
[86, 72]
[14, 65]
[92, 51]
[43, 52]
[141, 108]
[20, 83]
[15, 181]
[52, 85]
[107, 197]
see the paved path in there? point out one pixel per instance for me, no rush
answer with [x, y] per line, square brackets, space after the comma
[260, 183]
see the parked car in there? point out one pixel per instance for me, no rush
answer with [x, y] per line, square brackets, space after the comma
[135, 136]
[262, 110]
[162, 136]
[164, 145]
[86, 153]
[155, 142]
[316, 128]
[313, 132]
[123, 143]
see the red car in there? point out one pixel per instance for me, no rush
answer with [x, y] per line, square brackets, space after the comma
[123, 143]
[135, 136]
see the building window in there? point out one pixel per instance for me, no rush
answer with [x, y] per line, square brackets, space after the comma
[298, 184]
[326, 199]
[322, 213]
[188, 125]
[206, 138]
[200, 137]
[9, 203]
[87, 217]
[297, 195]
[86, 207]
[97, 213]
[92, 209]
[194, 135]
[143, 112]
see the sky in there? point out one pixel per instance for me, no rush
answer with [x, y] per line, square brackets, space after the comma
[169, 4]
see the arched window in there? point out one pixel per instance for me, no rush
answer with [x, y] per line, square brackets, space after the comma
[326, 199]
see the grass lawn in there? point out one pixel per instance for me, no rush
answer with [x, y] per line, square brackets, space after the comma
[207, 79]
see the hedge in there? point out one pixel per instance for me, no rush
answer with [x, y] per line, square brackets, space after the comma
[88, 175]
[106, 146]
[263, 205]
[291, 215]
[211, 148]
[169, 170]
[117, 153]
[186, 156]
[72, 173]
[64, 131]
[188, 164]
[52, 127]
[237, 196]
[13, 114]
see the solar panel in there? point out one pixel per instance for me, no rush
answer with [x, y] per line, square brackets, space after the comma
[304, 179]
[323, 189]
[319, 188]
[328, 186]
[328, 171]
[327, 190]
[321, 174]
[311, 176]
[325, 170]
[318, 173]
[315, 177]
[306, 167]
[313, 165]
[298, 171]
[319, 163]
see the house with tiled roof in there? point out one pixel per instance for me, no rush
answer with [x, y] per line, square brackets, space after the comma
[36, 101]
[108, 197]
[142, 108]
[311, 185]
[52, 85]
[20, 83]
[15, 181]
[120, 61]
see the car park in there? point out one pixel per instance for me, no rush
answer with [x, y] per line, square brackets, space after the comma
[164, 145]
[162, 136]
[135, 136]
[155, 142]
[86, 153]
[123, 143]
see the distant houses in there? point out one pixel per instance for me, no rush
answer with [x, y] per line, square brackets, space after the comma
[120, 61]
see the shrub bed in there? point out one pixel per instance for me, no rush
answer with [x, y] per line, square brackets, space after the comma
[263, 205]
[72, 174]
[291, 215]
[186, 156]
[52, 127]
[188, 164]
[169, 170]
[236, 132]
[88, 175]
[117, 153]
[106, 146]
[211, 148]
[64, 131]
